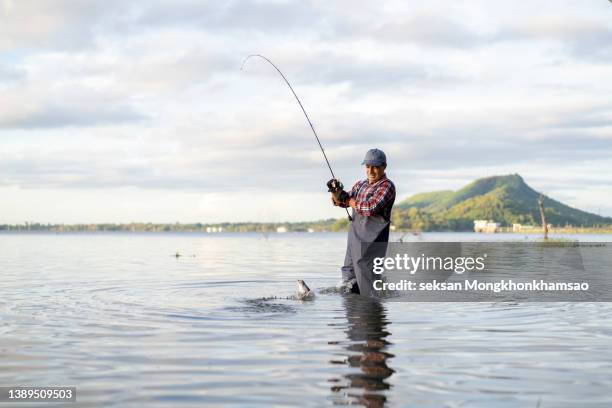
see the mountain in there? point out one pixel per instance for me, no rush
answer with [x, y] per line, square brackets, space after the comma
[504, 199]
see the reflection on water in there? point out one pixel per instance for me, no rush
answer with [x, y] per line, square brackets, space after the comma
[367, 347]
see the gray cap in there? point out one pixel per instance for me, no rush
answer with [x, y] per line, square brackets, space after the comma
[375, 157]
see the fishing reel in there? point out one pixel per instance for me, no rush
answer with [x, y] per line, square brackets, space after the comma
[337, 189]
[334, 186]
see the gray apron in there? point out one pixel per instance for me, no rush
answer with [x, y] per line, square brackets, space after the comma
[360, 253]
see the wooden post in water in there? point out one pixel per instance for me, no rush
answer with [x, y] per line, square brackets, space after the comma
[543, 216]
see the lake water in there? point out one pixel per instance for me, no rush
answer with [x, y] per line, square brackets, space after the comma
[130, 325]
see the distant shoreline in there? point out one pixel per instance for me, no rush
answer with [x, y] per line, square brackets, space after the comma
[265, 229]
[329, 225]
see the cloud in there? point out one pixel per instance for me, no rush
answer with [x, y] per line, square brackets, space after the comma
[11, 74]
[57, 117]
[55, 24]
[280, 17]
[585, 39]
[76, 25]
[103, 87]
[429, 30]
[366, 74]
[31, 109]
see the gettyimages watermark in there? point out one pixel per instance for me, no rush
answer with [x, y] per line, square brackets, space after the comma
[492, 271]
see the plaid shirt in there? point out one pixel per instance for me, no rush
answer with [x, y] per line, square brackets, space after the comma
[373, 199]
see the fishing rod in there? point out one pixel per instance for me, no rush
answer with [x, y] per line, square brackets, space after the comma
[303, 110]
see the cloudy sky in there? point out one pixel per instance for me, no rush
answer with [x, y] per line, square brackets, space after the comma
[114, 111]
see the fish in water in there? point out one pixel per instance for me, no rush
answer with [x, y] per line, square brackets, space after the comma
[303, 291]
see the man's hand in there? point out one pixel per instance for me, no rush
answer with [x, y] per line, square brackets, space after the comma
[352, 203]
[340, 198]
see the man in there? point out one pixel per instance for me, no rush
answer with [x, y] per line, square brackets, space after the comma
[371, 201]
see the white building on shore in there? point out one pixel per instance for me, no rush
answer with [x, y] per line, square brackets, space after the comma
[214, 230]
[487, 226]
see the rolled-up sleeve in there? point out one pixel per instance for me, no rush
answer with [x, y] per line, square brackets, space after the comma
[384, 194]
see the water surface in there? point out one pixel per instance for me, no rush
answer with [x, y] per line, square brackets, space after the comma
[129, 324]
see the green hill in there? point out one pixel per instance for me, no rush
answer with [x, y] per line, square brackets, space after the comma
[504, 199]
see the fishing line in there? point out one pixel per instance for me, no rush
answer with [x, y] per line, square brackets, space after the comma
[303, 110]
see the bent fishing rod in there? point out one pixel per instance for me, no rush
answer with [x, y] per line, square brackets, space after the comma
[303, 110]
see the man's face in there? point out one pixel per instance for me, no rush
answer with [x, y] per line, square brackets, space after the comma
[374, 173]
